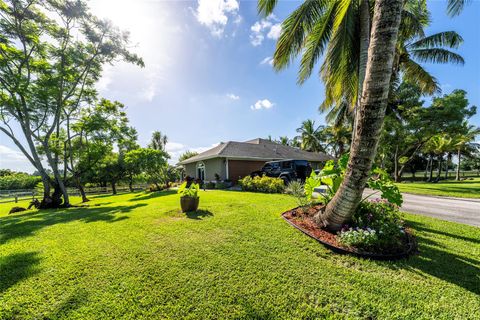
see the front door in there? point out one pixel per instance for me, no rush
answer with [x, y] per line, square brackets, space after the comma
[201, 171]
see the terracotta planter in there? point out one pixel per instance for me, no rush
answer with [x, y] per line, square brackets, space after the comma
[189, 204]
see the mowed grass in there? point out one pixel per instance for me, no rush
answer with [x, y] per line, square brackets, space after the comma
[449, 188]
[136, 256]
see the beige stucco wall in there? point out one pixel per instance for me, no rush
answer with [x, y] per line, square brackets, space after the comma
[212, 166]
[190, 170]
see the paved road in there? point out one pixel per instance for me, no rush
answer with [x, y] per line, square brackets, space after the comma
[460, 210]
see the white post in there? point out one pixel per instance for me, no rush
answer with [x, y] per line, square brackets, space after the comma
[226, 170]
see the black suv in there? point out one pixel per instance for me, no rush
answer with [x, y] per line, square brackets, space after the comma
[288, 170]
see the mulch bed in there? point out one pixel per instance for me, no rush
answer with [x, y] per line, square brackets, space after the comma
[302, 219]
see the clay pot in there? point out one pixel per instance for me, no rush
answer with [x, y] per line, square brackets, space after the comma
[189, 204]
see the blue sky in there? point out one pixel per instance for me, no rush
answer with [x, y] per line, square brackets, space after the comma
[208, 79]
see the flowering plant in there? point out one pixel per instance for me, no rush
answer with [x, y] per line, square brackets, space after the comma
[377, 224]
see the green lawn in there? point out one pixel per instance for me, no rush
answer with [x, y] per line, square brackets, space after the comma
[450, 188]
[135, 256]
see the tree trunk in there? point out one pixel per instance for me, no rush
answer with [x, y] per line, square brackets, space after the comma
[425, 174]
[82, 190]
[459, 155]
[114, 187]
[439, 171]
[130, 184]
[430, 177]
[446, 165]
[364, 23]
[400, 173]
[395, 160]
[386, 21]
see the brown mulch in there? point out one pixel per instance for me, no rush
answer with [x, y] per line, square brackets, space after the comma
[303, 219]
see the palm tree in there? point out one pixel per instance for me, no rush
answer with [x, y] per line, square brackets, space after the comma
[338, 139]
[310, 136]
[317, 26]
[341, 30]
[385, 28]
[159, 141]
[463, 142]
[284, 141]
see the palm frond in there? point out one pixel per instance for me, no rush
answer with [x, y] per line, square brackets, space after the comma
[437, 55]
[315, 44]
[294, 30]
[415, 17]
[340, 68]
[266, 7]
[414, 73]
[449, 39]
[454, 7]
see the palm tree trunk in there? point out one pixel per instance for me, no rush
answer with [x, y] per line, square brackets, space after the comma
[395, 160]
[386, 21]
[439, 172]
[363, 57]
[446, 165]
[459, 154]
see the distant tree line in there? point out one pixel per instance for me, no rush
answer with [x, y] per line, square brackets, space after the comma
[414, 138]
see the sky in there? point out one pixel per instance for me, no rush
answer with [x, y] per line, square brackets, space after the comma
[208, 76]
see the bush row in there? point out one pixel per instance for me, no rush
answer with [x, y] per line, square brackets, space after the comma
[262, 184]
[18, 181]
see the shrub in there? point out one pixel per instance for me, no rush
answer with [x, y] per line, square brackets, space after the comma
[154, 188]
[220, 185]
[189, 189]
[296, 189]
[333, 174]
[262, 184]
[18, 180]
[209, 185]
[359, 238]
[376, 225]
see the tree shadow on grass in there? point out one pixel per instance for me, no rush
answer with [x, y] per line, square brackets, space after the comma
[16, 267]
[152, 195]
[424, 228]
[72, 302]
[199, 214]
[23, 225]
[435, 259]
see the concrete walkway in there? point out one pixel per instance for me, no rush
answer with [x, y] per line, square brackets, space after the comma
[460, 210]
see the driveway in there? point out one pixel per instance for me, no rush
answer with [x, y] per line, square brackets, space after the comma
[460, 210]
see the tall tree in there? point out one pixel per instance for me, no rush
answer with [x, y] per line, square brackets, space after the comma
[310, 136]
[464, 141]
[98, 129]
[159, 141]
[151, 162]
[51, 55]
[381, 52]
[187, 155]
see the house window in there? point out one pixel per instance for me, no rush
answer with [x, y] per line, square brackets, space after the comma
[201, 171]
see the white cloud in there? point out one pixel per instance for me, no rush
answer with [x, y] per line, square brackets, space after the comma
[267, 60]
[14, 160]
[262, 104]
[275, 31]
[233, 96]
[174, 146]
[265, 27]
[214, 14]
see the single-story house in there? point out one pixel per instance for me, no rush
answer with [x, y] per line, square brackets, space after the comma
[233, 160]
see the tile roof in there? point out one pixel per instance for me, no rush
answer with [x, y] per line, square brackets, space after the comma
[260, 149]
